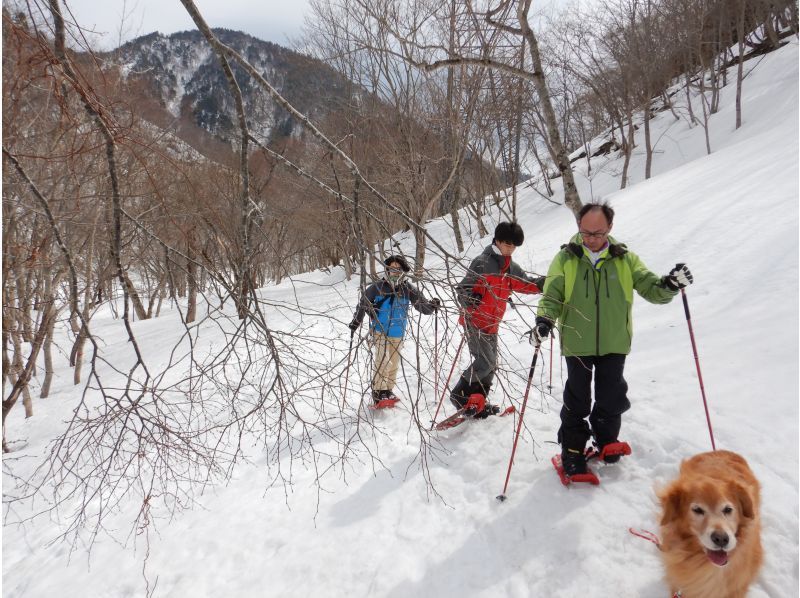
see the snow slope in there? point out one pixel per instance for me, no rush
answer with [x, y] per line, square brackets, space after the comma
[388, 526]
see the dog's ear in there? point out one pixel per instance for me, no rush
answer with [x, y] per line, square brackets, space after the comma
[671, 503]
[744, 499]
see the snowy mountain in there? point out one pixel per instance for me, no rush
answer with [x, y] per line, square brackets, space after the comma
[414, 514]
[181, 72]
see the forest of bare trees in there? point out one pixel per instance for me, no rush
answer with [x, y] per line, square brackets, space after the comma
[451, 105]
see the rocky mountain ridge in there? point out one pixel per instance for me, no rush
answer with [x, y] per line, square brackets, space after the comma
[182, 75]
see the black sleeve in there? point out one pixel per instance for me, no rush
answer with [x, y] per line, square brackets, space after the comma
[419, 301]
[465, 288]
[366, 304]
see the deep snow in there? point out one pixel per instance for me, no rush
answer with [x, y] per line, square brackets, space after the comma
[380, 530]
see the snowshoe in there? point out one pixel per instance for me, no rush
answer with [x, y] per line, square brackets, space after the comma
[385, 403]
[462, 415]
[576, 475]
[609, 453]
[383, 399]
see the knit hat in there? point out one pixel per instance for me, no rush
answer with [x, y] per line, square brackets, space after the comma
[510, 232]
[399, 259]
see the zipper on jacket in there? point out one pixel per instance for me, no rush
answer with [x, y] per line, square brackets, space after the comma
[586, 280]
[605, 271]
[597, 316]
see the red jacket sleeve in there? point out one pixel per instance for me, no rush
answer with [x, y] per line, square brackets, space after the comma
[525, 286]
[522, 283]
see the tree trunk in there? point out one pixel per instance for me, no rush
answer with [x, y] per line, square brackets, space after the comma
[629, 145]
[455, 188]
[191, 281]
[740, 67]
[704, 103]
[49, 304]
[648, 164]
[419, 254]
[571, 197]
[48, 360]
[134, 296]
[76, 355]
[25, 305]
[19, 372]
[21, 383]
[692, 118]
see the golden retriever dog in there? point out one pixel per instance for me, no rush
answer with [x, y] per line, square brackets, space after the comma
[710, 527]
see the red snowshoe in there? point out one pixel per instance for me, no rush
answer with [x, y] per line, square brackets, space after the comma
[588, 477]
[462, 415]
[385, 402]
[610, 453]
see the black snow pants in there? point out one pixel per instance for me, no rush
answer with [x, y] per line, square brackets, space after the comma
[611, 401]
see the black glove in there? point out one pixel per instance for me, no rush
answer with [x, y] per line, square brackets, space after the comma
[353, 326]
[542, 329]
[679, 277]
[437, 303]
[539, 281]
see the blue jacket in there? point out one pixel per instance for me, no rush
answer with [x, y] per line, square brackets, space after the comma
[387, 307]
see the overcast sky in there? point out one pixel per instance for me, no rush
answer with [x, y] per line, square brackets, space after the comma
[117, 21]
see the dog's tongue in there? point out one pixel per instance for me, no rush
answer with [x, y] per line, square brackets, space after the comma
[718, 557]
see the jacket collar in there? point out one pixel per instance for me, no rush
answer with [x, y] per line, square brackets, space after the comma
[575, 246]
[503, 261]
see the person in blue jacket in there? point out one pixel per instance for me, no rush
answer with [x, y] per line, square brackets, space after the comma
[386, 302]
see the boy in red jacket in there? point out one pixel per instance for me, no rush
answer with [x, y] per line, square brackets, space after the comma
[483, 295]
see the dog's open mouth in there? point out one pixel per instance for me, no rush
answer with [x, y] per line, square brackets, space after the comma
[718, 557]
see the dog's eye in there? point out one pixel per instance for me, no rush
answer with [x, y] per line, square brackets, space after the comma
[698, 511]
[727, 510]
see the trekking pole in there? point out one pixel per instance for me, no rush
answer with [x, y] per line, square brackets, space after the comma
[697, 365]
[502, 496]
[347, 369]
[550, 384]
[444, 392]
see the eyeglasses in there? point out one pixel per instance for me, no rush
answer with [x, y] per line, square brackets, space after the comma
[594, 234]
[394, 270]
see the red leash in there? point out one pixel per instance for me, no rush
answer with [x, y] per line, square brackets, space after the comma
[643, 533]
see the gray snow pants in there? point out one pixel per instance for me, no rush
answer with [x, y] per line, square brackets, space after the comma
[483, 349]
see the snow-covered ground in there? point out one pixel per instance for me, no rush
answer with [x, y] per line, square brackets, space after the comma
[391, 527]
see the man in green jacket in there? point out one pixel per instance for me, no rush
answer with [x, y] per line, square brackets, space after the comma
[589, 292]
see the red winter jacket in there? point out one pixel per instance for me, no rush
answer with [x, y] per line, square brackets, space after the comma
[484, 292]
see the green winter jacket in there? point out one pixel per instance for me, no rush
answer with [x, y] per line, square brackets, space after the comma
[593, 304]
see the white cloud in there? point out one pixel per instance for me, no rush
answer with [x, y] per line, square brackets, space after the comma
[112, 22]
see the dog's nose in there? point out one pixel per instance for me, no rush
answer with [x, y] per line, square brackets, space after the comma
[720, 538]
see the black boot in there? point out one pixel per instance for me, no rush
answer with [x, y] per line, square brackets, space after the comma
[379, 395]
[460, 393]
[573, 461]
[601, 440]
[488, 409]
